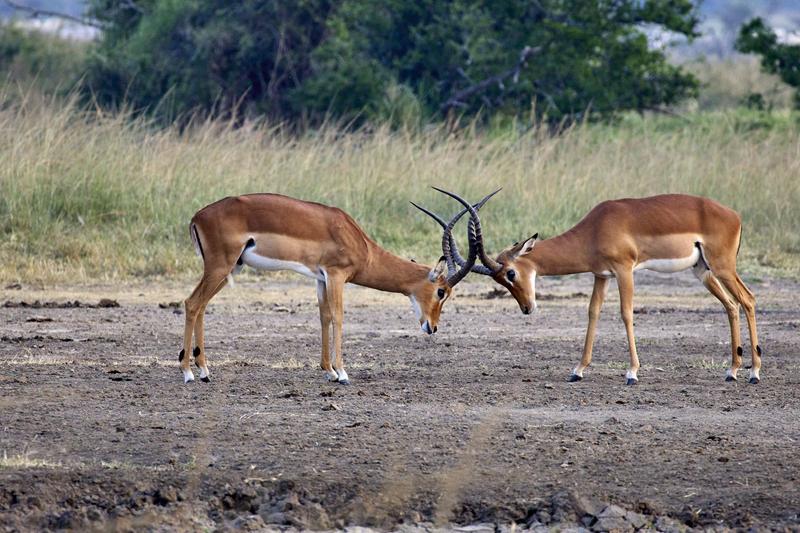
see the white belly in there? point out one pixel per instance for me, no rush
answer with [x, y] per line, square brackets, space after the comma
[250, 258]
[670, 265]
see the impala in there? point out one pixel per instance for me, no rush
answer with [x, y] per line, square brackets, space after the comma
[665, 233]
[274, 232]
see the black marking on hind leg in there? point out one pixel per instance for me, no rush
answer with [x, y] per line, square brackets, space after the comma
[181, 356]
[739, 351]
[758, 349]
[195, 353]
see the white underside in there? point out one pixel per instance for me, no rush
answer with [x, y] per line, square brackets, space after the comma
[252, 259]
[533, 290]
[666, 266]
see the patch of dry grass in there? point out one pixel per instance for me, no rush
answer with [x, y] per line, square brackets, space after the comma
[91, 197]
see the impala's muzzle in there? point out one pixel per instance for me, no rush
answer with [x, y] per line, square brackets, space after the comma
[426, 328]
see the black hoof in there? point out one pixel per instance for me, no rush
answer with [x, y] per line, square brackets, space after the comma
[631, 381]
[730, 378]
[754, 381]
[574, 377]
[343, 382]
[205, 379]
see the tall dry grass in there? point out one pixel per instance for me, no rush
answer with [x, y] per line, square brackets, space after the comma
[86, 196]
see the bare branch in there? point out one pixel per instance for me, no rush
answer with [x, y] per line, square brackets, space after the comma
[457, 99]
[35, 12]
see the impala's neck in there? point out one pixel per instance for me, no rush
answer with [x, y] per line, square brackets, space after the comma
[385, 271]
[565, 254]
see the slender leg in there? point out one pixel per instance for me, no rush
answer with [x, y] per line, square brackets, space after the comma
[335, 292]
[194, 305]
[199, 337]
[625, 282]
[732, 309]
[739, 290]
[595, 303]
[325, 322]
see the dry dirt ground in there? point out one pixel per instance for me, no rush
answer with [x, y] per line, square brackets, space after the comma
[476, 424]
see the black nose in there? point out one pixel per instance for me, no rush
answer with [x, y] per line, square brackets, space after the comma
[526, 310]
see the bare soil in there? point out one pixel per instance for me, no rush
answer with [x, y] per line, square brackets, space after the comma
[475, 424]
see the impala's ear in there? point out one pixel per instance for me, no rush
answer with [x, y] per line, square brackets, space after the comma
[439, 270]
[527, 246]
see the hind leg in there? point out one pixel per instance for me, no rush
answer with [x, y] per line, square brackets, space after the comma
[732, 309]
[199, 337]
[734, 284]
[195, 304]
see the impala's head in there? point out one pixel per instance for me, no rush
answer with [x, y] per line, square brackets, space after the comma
[516, 273]
[429, 296]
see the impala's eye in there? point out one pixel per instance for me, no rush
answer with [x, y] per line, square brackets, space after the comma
[440, 292]
[511, 275]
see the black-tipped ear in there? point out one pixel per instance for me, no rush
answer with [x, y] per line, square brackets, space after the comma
[438, 270]
[526, 247]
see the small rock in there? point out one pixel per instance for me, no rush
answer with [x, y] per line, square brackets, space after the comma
[637, 520]
[476, 528]
[275, 518]
[331, 407]
[94, 514]
[165, 495]
[612, 523]
[612, 511]
[107, 302]
[668, 525]
[251, 522]
[37, 318]
[14, 287]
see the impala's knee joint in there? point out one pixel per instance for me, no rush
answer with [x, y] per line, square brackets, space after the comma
[181, 356]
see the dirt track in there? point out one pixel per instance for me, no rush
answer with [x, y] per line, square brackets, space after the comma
[477, 424]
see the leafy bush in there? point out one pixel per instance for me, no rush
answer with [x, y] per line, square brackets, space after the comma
[755, 37]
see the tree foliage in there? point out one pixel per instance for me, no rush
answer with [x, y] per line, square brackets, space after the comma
[360, 59]
[755, 37]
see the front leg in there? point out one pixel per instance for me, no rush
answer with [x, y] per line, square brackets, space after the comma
[625, 282]
[325, 323]
[596, 302]
[335, 292]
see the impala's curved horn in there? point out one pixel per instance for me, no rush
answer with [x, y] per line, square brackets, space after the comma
[452, 256]
[476, 233]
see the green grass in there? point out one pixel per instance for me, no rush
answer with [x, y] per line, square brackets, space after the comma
[87, 196]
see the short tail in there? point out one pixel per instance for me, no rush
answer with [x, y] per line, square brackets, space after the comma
[198, 247]
[739, 247]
